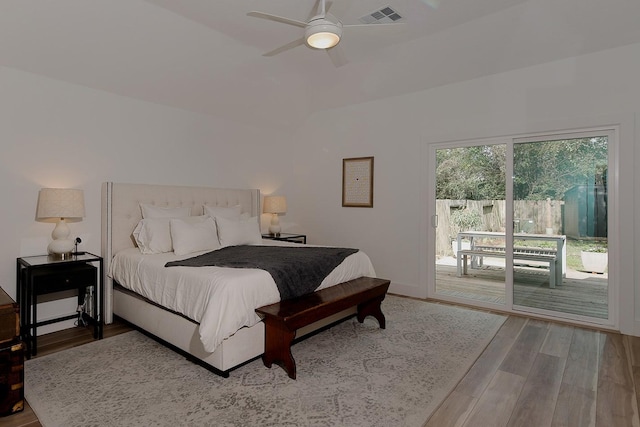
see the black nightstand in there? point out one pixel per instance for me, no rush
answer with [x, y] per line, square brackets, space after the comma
[39, 275]
[287, 237]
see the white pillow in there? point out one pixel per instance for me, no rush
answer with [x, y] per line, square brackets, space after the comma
[153, 211]
[232, 212]
[152, 236]
[194, 234]
[238, 232]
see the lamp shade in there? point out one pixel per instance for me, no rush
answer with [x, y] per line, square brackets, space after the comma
[56, 203]
[275, 204]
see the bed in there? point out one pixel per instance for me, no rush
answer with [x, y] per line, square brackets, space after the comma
[173, 322]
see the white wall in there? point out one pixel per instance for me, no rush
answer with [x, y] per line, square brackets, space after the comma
[55, 134]
[596, 89]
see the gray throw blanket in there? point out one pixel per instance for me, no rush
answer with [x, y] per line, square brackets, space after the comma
[296, 270]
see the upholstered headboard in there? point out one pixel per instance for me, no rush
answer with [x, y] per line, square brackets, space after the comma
[121, 213]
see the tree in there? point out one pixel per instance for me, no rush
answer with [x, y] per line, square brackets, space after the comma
[471, 173]
[545, 169]
[550, 168]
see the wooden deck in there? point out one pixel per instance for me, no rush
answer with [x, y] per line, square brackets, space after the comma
[580, 293]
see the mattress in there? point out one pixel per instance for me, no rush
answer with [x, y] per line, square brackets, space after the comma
[221, 300]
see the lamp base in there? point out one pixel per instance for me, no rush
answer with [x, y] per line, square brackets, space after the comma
[60, 257]
[274, 231]
[61, 248]
[274, 227]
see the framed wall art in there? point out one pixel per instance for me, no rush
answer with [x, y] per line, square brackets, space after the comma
[357, 182]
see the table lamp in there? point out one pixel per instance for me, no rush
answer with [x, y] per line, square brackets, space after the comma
[275, 205]
[61, 205]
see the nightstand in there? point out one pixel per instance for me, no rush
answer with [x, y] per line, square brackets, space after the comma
[40, 275]
[287, 237]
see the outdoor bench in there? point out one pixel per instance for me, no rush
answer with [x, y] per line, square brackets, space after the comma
[520, 253]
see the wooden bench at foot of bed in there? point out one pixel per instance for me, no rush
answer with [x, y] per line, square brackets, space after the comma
[284, 318]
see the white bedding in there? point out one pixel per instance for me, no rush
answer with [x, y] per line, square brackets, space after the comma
[222, 300]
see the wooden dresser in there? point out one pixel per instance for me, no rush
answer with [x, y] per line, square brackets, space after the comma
[11, 357]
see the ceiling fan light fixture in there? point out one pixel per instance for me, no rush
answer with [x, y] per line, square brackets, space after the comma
[323, 34]
[323, 40]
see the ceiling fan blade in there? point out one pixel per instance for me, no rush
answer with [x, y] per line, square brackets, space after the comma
[287, 46]
[327, 6]
[276, 18]
[317, 9]
[337, 56]
[339, 8]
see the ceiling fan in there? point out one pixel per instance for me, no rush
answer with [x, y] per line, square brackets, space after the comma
[322, 31]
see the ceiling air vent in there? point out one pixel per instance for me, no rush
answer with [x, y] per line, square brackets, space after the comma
[386, 15]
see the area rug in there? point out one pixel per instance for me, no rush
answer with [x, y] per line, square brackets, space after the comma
[350, 375]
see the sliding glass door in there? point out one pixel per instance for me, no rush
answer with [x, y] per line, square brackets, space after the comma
[470, 206]
[560, 211]
[522, 224]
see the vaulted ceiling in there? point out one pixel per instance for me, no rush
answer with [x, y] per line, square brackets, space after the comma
[206, 55]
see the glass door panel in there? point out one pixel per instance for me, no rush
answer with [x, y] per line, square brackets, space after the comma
[560, 222]
[470, 227]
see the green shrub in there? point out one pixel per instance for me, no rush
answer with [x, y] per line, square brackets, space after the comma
[465, 220]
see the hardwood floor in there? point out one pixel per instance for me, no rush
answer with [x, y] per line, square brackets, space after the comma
[538, 373]
[533, 373]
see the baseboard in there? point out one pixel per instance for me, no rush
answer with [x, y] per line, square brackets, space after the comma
[407, 290]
